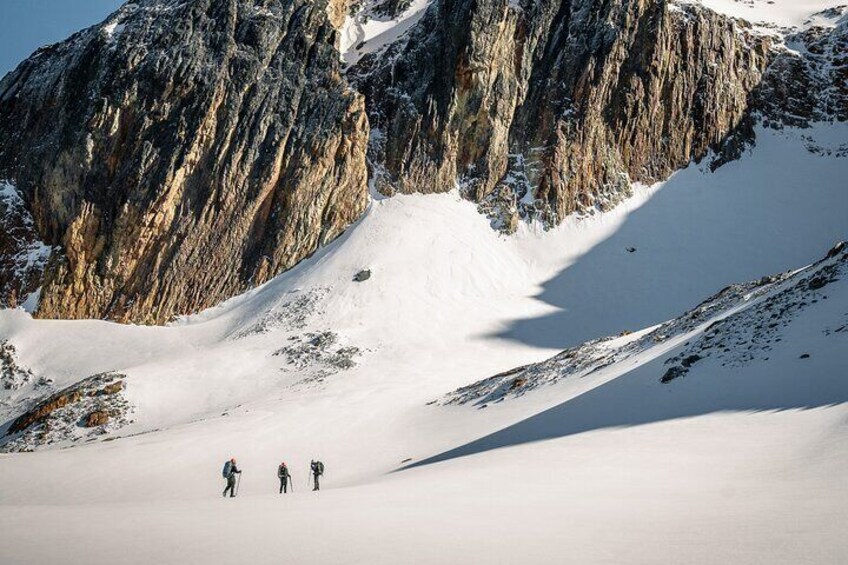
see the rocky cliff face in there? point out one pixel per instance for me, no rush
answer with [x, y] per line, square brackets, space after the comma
[808, 80]
[574, 98]
[182, 152]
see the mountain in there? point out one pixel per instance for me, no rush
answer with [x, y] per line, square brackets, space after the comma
[180, 153]
[362, 375]
[608, 325]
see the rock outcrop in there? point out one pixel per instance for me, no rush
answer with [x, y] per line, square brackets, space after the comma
[569, 99]
[68, 414]
[808, 80]
[23, 255]
[181, 152]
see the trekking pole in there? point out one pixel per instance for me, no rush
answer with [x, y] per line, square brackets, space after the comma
[291, 483]
[238, 482]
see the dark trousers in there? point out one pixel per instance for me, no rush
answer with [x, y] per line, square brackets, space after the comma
[284, 482]
[231, 485]
[315, 478]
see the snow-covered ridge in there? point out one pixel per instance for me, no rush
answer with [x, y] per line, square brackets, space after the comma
[737, 326]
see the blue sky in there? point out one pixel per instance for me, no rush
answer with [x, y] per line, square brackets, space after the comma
[26, 25]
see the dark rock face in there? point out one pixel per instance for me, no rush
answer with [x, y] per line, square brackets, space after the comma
[23, 255]
[392, 8]
[181, 153]
[573, 98]
[809, 81]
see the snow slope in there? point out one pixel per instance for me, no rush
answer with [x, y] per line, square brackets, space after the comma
[368, 31]
[783, 13]
[699, 470]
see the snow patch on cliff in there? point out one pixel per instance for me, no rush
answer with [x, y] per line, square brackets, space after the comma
[782, 13]
[367, 30]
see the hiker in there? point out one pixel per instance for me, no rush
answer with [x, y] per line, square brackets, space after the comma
[317, 470]
[229, 473]
[283, 475]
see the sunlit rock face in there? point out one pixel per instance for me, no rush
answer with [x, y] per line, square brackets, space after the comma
[572, 99]
[182, 152]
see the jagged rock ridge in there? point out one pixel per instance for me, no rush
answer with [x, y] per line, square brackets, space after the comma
[182, 152]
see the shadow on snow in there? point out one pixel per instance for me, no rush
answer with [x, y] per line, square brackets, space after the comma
[700, 232]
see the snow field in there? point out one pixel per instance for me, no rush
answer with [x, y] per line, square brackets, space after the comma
[724, 465]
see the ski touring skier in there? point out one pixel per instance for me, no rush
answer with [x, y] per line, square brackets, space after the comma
[317, 468]
[229, 472]
[284, 476]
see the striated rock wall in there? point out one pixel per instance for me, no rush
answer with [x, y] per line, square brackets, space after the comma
[586, 96]
[181, 152]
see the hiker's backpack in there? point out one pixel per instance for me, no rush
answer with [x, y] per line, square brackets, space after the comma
[228, 469]
[320, 468]
[283, 472]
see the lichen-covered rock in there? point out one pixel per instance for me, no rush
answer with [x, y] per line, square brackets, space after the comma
[182, 152]
[592, 95]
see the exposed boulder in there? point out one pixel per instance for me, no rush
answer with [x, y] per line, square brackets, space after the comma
[96, 418]
[362, 275]
[87, 388]
[673, 373]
